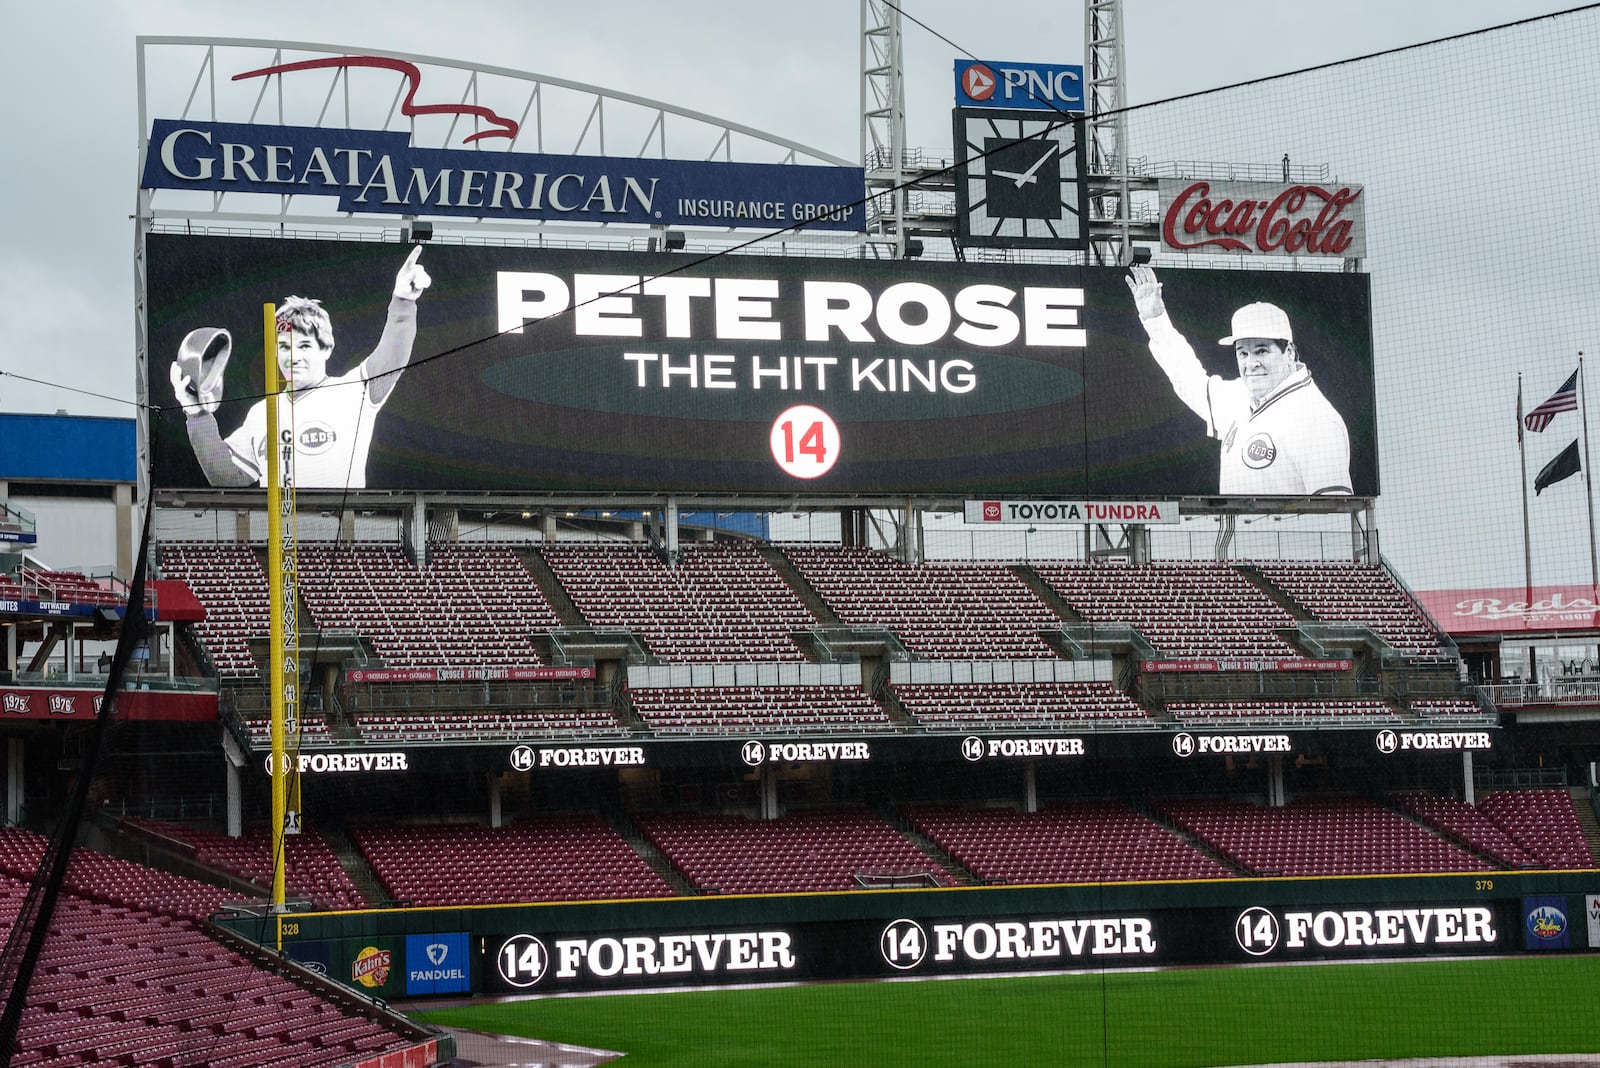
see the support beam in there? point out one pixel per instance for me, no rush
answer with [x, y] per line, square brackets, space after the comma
[496, 799]
[1030, 787]
[16, 769]
[769, 792]
[1276, 797]
[1469, 792]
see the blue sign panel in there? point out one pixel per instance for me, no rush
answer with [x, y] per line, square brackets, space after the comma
[1037, 86]
[1544, 923]
[437, 964]
[377, 172]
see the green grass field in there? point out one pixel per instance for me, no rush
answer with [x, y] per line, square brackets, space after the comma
[1174, 1019]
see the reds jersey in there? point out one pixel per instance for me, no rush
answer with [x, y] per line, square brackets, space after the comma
[332, 426]
[1293, 443]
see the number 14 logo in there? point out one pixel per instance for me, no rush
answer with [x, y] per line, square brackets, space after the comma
[805, 441]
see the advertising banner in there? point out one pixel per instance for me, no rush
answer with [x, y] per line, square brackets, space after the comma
[1545, 924]
[379, 172]
[1045, 513]
[1038, 86]
[515, 369]
[1591, 908]
[1263, 218]
[438, 964]
[930, 944]
[469, 674]
[1509, 610]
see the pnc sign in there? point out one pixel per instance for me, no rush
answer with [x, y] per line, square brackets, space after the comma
[1034, 86]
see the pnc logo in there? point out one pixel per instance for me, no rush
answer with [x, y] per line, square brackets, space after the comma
[978, 82]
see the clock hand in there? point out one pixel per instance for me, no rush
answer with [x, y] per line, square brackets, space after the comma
[1029, 173]
[1020, 179]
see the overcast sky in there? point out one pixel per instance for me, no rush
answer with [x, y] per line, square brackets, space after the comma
[70, 130]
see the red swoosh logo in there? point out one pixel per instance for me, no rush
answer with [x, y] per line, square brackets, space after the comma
[504, 127]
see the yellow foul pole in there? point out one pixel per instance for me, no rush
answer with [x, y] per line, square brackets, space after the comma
[283, 607]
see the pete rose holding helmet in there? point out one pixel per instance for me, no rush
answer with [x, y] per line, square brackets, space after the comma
[1279, 434]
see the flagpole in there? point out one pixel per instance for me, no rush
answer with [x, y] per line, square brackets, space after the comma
[1527, 550]
[1588, 486]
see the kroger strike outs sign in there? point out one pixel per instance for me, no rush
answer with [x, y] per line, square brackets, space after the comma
[1263, 218]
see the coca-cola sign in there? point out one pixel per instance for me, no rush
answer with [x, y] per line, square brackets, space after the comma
[1263, 218]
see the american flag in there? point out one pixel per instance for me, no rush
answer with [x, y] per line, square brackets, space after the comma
[1564, 399]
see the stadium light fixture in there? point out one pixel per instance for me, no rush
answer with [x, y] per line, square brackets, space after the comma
[674, 241]
[416, 230]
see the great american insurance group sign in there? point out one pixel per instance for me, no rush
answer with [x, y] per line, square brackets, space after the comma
[384, 172]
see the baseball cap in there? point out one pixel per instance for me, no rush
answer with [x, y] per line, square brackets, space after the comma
[1259, 320]
[203, 356]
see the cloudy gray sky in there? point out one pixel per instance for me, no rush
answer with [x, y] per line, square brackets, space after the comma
[70, 127]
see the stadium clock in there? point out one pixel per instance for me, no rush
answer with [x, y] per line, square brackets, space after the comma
[1019, 179]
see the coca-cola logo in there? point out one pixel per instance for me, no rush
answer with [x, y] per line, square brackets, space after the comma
[1307, 220]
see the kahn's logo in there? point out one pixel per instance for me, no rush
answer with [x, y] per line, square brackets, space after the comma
[16, 704]
[316, 439]
[371, 967]
[61, 705]
[1259, 452]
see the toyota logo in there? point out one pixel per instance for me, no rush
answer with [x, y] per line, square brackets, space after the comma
[754, 754]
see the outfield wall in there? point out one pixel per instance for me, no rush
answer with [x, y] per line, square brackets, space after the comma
[701, 941]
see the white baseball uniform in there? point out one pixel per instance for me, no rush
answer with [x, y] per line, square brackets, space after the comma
[1293, 443]
[332, 425]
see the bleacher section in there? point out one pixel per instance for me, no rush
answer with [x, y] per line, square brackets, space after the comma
[112, 881]
[312, 870]
[470, 607]
[228, 580]
[574, 858]
[1091, 842]
[468, 726]
[1310, 713]
[121, 984]
[765, 709]
[1357, 593]
[1185, 609]
[1544, 823]
[1467, 825]
[1313, 837]
[721, 602]
[1007, 705]
[50, 585]
[939, 611]
[802, 851]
